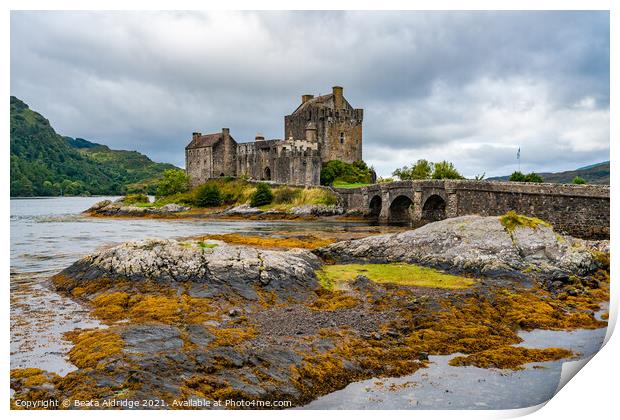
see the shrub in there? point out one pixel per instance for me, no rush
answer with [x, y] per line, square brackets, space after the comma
[208, 195]
[579, 180]
[174, 181]
[532, 177]
[286, 195]
[520, 177]
[262, 195]
[135, 199]
[423, 169]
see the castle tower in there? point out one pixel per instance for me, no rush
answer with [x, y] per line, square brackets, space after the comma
[337, 125]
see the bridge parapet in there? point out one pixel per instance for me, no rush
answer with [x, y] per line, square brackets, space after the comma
[579, 210]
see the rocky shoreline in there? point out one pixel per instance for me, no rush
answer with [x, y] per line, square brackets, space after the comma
[108, 208]
[203, 319]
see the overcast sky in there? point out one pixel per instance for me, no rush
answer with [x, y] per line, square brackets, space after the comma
[469, 87]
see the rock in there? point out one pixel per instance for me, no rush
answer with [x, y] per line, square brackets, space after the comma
[471, 244]
[224, 270]
[108, 208]
[423, 355]
[317, 210]
[151, 339]
[243, 209]
[173, 208]
[99, 205]
[234, 312]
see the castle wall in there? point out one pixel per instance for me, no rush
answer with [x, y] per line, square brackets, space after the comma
[280, 161]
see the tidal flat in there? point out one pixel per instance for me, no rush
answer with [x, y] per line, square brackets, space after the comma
[214, 313]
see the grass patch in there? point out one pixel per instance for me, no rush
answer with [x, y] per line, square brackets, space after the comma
[403, 274]
[512, 220]
[342, 184]
[234, 192]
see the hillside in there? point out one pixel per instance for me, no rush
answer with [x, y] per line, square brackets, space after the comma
[597, 173]
[44, 163]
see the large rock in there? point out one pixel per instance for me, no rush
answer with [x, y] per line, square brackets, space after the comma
[213, 269]
[317, 210]
[108, 208]
[242, 210]
[473, 244]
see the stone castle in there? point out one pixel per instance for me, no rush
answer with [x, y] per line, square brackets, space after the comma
[321, 129]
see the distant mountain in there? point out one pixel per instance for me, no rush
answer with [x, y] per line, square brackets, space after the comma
[44, 163]
[597, 173]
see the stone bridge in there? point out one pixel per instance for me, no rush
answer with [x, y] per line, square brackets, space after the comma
[578, 210]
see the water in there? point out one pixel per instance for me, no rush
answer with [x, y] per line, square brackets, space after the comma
[442, 387]
[49, 234]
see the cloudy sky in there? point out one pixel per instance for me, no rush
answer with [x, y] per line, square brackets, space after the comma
[469, 87]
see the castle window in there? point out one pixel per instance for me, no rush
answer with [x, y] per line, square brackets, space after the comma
[341, 137]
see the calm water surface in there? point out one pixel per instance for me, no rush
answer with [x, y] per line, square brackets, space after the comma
[48, 234]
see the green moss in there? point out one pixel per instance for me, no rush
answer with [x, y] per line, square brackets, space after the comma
[204, 245]
[403, 274]
[512, 220]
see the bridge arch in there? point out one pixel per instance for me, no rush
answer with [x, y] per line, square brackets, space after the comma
[434, 208]
[375, 206]
[401, 210]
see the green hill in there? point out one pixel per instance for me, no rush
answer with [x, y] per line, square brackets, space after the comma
[44, 163]
[597, 173]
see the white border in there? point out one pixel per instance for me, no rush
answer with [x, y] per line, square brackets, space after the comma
[592, 395]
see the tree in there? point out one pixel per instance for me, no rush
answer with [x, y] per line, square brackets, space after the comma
[262, 195]
[532, 177]
[208, 195]
[520, 177]
[174, 181]
[579, 180]
[337, 170]
[422, 169]
[445, 170]
[517, 176]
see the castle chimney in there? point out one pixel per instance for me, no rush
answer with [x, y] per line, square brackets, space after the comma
[338, 99]
[259, 137]
[225, 133]
[196, 135]
[306, 98]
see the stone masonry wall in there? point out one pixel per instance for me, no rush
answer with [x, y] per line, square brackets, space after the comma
[579, 210]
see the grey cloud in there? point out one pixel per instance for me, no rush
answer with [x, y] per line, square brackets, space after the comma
[465, 86]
